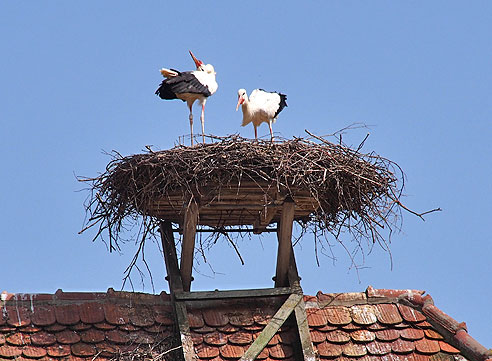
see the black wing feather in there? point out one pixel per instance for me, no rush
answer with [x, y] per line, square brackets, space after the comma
[184, 82]
[283, 103]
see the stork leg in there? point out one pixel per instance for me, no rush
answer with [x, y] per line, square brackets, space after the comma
[256, 132]
[202, 118]
[191, 123]
[271, 130]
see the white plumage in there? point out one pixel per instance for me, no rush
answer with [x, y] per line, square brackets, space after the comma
[260, 107]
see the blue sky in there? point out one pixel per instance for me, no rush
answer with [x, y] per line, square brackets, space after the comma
[77, 79]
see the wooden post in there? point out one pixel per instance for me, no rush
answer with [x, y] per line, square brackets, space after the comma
[300, 312]
[176, 286]
[188, 246]
[170, 257]
[284, 243]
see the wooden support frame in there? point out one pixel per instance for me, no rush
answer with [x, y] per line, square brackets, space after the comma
[284, 243]
[175, 286]
[188, 246]
[286, 283]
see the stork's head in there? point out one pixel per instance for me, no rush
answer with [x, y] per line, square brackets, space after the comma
[207, 68]
[241, 97]
[198, 63]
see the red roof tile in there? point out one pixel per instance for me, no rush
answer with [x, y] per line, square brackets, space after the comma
[378, 325]
[34, 352]
[67, 314]
[215, 318]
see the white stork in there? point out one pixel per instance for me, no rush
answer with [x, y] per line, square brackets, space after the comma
[261, 106]
[189, 86]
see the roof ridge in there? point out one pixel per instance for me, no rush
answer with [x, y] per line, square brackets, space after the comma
[457, 332]
[68, 297]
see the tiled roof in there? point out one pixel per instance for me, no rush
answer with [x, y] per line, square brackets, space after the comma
[379, 325]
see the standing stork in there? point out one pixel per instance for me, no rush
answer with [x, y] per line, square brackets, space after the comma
[261, 106]
[189, 86]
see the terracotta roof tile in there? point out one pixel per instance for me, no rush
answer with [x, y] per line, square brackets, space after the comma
[43, 339]
[91, 313]
[205, 352]
[67, 314]
[241, 319]
[338, 315]
[280, 351]
[387, 335]
[204, 329]
[117, 336]
[43, 316]
[264, 354]
[128, 327]
[412, 334]
[18, 339]
[104, 326]
[427, 346]
[55, 328]
[261, 318]
[409, 314]
[231, 351]
[362, 336]
[83, 349]
[354, 349]
[34, 352]
[92, 336]
[80, 327]
[429, 333]
[378, 348]
[337, 336]
[215, 339]
[317, 336]
[2, 339]
[316, 317]
[387, 314]
[327, 349]
[67, 337]
[116, 315]
[58, 350]
[8, 351]
[195, 319]
[241, 338]
[402, 346]
[17, 316]
[215, 318]
[142, 317]
[446, 347]
[363, 314]
[196, 338]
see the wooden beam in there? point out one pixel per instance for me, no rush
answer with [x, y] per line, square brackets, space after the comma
[271, 328]
[300, 312]
[188, 246]
[170, 257]
[175, 287]
[210, 295]
[284, 243]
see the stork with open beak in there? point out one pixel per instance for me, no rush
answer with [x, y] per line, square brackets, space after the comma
[189, 86]
[261, 106]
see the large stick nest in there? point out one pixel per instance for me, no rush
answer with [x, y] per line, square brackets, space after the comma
[353, 191]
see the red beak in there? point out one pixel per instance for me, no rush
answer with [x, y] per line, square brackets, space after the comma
[198, 63]
[239, 102]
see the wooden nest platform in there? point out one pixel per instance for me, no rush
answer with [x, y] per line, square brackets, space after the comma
[240, 182]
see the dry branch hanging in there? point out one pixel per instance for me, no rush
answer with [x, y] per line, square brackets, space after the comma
[236, 181]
